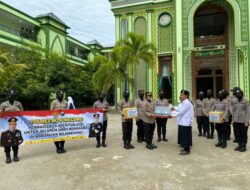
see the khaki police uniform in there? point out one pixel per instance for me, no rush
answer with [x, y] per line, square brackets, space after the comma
[240, 113]
[222, 128]
[127, 124]
[57, 105]
[208, 106]
[149, 121]
[105, 105]
[200, 117]
[139, 104]
[8, 107]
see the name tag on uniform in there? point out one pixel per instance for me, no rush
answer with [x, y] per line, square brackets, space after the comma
[130, 113]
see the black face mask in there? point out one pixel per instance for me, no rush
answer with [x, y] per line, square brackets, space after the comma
[101, 98]
[141, 96]
[161, 96]
[239, 96]
[221, 97]
[209, 95]
[59, 97]
[11, 98]
[201, 97]
[125, 96]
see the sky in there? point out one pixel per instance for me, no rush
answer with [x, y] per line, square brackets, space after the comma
[88, 19]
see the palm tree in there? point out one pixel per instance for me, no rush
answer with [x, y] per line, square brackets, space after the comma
[112, 69]
[137, 51]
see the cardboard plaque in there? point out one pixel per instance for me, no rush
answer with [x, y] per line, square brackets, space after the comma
[216, 117]
[130, 113]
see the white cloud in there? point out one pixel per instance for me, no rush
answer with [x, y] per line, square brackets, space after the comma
[87, 19]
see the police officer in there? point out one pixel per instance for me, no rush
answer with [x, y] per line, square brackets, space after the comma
[161, 122]
[101, 103]
[96, 128]
[199, 104]
[233, 100]
[11, 104]
[139, 104]
[240, 120]
[209, 103]
[11, 138]
[59, 104]
[222, 106]
[127, 124]
[149, 120]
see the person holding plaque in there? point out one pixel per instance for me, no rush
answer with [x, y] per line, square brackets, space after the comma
[240, 121]
[149, 120]
[222, 106]
[199, 104]
[208, 106]
[161, 121]
[59, 104]
[127, 124]
[101, 103]
[139, 104]
[11, 138]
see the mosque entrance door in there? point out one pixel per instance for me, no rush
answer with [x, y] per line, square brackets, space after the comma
[210, 58]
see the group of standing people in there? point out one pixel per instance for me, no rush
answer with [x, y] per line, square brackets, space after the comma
[145, 121]
[235, 111]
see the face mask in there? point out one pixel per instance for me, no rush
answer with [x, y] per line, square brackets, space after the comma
[161, 96]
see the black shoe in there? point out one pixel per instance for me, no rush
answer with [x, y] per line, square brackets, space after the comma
[130, 146]
[224, 145]
[58, 151]
[63, 150]
[98, 145]
[243, 149]
[104, 144]
[184, 152]
[126, 146]
[204, 135]
[16, 159]
[154, 146]
[228, 138]
[139, 141]
[164, 139]
[212, 137]
[148, 146]
[159, 139]
[235, 141]
[199, 134]
[8, 160]
[237, 148]
[218, 144]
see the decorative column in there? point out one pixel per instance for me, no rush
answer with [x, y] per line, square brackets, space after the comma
[149, 40]
[117, 35]
[179, 57]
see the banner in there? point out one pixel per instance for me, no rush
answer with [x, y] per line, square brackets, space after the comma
[52, 125]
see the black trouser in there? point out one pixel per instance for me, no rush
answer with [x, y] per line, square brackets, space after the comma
[222, 131]
[201, 124]
[208, 126]
[179, 135]
[161, 127]
[7, 150]
[59, 144]
[241, 132]
[149, 132]
[186, 137]
[127, 129]
[229, 127]
[104, 129]
[140, 130]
